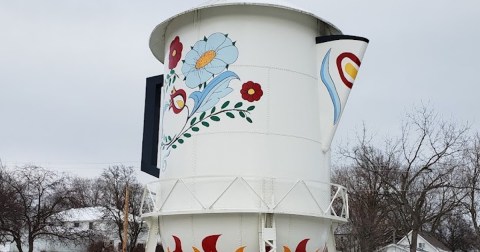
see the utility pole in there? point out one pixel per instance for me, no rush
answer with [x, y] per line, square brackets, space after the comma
[394, 236]
[125, 221]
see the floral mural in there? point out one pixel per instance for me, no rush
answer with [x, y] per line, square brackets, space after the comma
[251, 91]
[175, 54]
[204, 95]
[207, 58]
[347, 69]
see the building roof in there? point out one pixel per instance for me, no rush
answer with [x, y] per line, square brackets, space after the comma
[428, 238]
[157, 38]
[433, 241]
[83, 214]
[91, 214]
[394, 246]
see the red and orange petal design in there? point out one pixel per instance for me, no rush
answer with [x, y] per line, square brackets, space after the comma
[175, 54]
[251, 91]
[209, 244]
[301, 247]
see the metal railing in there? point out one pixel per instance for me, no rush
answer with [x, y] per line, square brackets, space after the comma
[197, 195]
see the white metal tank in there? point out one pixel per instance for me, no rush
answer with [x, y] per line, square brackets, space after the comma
[251, 97]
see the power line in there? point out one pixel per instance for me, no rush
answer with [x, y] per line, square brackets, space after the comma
[67, 163]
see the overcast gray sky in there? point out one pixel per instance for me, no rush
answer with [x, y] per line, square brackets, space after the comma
[72, 73]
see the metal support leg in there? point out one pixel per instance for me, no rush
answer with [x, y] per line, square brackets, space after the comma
[153, 231]
[268, 234]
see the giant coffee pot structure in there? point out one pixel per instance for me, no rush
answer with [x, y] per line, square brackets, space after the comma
[242, 121]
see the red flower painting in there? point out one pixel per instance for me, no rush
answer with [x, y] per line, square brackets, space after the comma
[251, 91]
[175, 54]
[177, 100]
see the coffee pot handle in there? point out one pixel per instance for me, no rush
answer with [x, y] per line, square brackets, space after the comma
[151, 125]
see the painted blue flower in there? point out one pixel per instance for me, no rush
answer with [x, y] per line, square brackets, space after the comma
[208, 57]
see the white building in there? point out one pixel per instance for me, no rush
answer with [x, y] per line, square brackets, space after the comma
[425, 242]
[82, 219]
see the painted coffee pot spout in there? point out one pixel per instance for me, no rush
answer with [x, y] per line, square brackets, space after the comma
[338, 60]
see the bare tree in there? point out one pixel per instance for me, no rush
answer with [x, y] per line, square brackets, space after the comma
[9, 207]
[365, 178]
[430, 156]
[36, 198]
[457, 233]
[472, 185]
[87, 192]
[113, 182]
[418, 172]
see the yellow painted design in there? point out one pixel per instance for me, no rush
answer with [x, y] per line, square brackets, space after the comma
[174, 53]
[351, 70]
[180, 104]
[251, 91]
[286, 249]
[205, 59]
[241, 249]
[195, 249]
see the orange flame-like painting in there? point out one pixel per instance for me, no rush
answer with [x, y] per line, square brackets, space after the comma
[209, 244]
